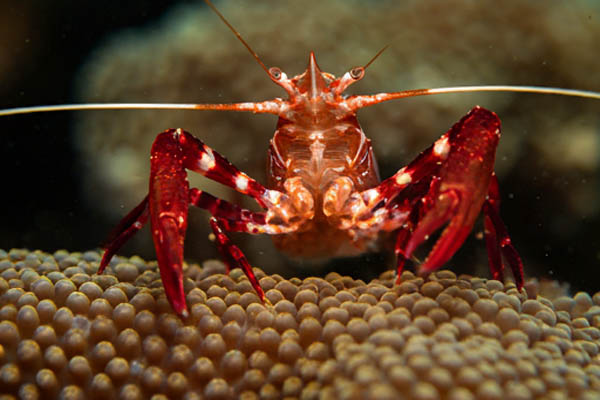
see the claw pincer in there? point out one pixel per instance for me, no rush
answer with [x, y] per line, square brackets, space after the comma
[466, 184]
[168, 202]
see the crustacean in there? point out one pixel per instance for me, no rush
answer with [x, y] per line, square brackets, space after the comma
[324, 196]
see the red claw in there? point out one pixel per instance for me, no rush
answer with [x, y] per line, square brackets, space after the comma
[467, 185]
[174, 151]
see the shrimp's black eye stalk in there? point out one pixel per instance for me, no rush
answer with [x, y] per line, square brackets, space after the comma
[275, 73]
[357, 73]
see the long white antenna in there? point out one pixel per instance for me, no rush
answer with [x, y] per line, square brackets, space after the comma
[98, 106]
[361, 101]
[522, 89]
[249, 106]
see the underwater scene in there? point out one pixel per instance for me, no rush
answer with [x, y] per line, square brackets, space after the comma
[332, 327]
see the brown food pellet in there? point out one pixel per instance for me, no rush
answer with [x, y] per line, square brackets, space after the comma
[54, 358]
[260, 360]
[29, 353]
[203, 369]
[27, 320]
[80, 369]
[305, 296]
[309, 330]
[144, 322]
[43, 288]
[47, 381]
[102, 328]
[232, 334]
[213, 346]
[62, 289]
[143, 301]
[27, 299]
[177, 384]
[74, 342]
[279, 373]
[154, 348]
[284, 321]
[100, 307]
[180, 358]
[130, 391]
[507, 319]
[234, 364]
[358, 328]
[62, 321]
[126, 272]
[217, 388]
[101, 386]
[91, 290]
[486, 308]
[123, 315]
[46, 310]
[331, 330]
[45, 336]
[253, 379]
[289, 351]
[427, 338]
[72, 392]
[78, 303]
[269, 340]
[117, 369]
[152, 378]
[115, 296]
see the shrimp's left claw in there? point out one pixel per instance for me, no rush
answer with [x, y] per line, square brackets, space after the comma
[174, 151]
[461, 184]
[235, 258]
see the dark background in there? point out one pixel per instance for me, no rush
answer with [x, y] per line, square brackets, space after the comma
[44, 43]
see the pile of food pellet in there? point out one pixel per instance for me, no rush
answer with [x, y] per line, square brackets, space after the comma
[69, 333]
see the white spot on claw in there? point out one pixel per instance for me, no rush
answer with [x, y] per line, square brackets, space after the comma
[403, 179]
[371, 195]
[273, 196]
[441, 147]
[241, 182]
[207, 160]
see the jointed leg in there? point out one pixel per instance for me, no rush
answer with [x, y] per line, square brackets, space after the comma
[174, 151]
[385, 207]
[446, 210]
[230, 217]
[467, 184]
[497, 239]
[234, 256]
[459, 169]
[420, 207]
[129, 225]
[226, 217]
[225, 210]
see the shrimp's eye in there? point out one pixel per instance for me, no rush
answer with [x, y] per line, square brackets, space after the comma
[275, 73]
[357, 72]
